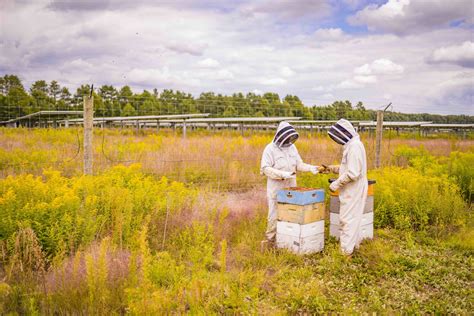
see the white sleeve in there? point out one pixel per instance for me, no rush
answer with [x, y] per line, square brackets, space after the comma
[354, 168]
[300, 165]
[266, 166]
[273, 173]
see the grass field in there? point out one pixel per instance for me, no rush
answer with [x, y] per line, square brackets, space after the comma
[168, 225]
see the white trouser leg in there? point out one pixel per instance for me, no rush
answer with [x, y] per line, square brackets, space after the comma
[272, 219]
[350, 221]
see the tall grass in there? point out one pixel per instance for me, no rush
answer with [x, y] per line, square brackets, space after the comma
[129, 241]
[220, 160]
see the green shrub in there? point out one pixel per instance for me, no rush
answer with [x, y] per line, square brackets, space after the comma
[408, 199]
[461, 168]
[458, 166]
[69, 213]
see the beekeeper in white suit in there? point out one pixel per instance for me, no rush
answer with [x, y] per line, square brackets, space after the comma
[351, 183]
[280, 161]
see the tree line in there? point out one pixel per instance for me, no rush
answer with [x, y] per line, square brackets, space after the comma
[16, 101]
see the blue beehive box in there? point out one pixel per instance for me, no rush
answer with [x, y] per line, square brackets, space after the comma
[300, 196]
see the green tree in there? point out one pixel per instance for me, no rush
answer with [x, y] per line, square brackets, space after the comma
[39, 92]
[230, 111]
[65, 98]
[9, 81]
[54, 90]
[125, 94]
[128, 110]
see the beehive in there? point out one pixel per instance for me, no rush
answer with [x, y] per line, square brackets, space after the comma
[301, 239]
[367, 224]
[300, 226]
[300, 196]
[301, 214]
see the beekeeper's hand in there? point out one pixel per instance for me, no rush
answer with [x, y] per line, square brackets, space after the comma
[334, 186]
[333, 168]
[322, 168]
[314, 169]
[288, 175]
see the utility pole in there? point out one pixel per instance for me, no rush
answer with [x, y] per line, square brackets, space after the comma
[378, 136]
[88, 118]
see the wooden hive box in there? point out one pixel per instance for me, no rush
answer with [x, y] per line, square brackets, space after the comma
[301, 214]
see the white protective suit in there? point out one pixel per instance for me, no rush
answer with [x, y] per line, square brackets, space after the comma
[280, 163]
[352, 183]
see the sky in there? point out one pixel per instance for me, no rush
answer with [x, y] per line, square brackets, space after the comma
[417, 54]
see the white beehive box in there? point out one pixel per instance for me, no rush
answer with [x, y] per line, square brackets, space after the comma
[298, 230]
[301, 239]
[305, 245]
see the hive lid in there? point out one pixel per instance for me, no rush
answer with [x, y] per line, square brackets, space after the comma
[370, 181]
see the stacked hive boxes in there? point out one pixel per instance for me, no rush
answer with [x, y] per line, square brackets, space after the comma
[367, 227]
[300, 225]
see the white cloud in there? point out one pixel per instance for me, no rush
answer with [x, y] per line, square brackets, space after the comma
[367, 73]
[195, 49]
[148, 76]
[365, 79]
[224, 74]
[273, 81]
[462, 55]
[354, 3]
[330, 34]
[318, 89]
[263, 51]
[349, 84]
[286, 71]
[413, 16]
[209, 63]
[284, 10]
[327, 96]
[79, 64]
[386, 67]
[456, 91]
[379, 67]
[363, 70]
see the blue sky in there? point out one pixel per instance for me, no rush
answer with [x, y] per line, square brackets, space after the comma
[417, 54]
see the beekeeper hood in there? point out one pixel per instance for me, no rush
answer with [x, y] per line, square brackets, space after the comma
[342, 132]
[285, 135]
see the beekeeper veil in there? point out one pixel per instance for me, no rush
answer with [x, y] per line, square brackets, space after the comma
[285, 135]
[342, 132]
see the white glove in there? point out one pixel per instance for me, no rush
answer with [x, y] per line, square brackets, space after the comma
[288, 175]
[314, 169]
[340, 182]
[334, 186]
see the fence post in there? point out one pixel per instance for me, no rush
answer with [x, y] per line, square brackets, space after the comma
[184, 129]
[88, 118]
[378, 138]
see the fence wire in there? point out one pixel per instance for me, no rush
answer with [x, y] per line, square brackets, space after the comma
[215, 173]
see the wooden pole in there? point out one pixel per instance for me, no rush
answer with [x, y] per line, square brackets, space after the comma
[184, 129]
[88, 125]
[378, 138]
